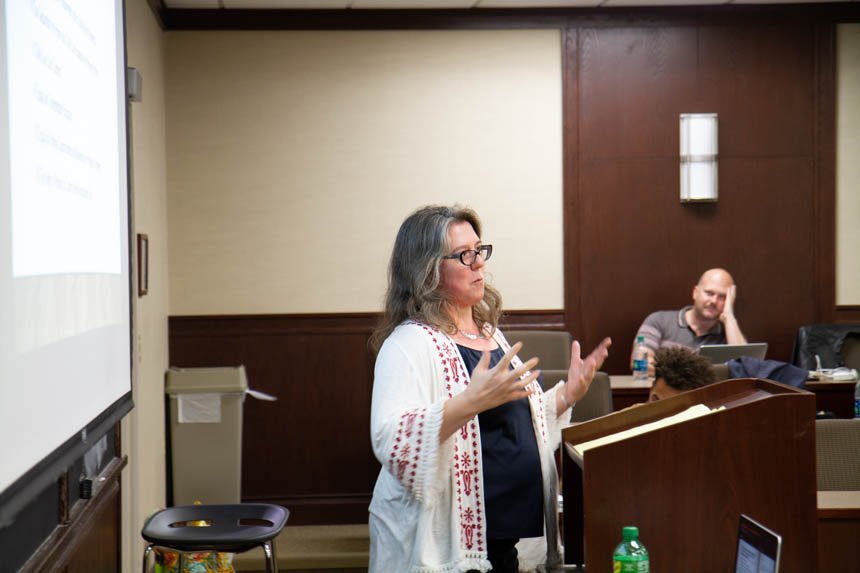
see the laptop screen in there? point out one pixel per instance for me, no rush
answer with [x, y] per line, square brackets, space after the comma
[719, 353]
[758, 548]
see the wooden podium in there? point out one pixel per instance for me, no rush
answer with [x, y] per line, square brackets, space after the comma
[684, 485]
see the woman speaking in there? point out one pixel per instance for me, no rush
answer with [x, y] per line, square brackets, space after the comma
[459, 423]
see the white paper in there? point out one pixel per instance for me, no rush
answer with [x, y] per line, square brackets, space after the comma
[688, 414]
[262, 395]
[199, 408]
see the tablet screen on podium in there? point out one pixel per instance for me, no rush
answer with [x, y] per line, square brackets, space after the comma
[758, 548]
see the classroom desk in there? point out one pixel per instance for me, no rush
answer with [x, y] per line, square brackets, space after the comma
[838, 530]
[832, 396]
[626, 391]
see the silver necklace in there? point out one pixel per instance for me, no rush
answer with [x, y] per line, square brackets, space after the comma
[471, 336]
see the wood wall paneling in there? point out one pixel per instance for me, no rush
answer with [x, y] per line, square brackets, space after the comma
[309, 450]
[570, 192]
[825, 173]
[847, 314]
[313, 443]
[641, 249]
[761, 80]
[632, 83]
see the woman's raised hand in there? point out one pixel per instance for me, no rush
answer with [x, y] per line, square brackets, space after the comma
[581, 371]
[491, 387]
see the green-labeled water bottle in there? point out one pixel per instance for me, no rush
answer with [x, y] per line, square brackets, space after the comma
[630, 555]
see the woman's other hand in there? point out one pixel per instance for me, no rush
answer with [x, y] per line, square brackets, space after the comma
[581, 371]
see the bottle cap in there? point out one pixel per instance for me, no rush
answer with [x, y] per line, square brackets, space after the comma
[630, 532]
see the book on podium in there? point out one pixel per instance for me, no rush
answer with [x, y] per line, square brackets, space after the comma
[684, 469]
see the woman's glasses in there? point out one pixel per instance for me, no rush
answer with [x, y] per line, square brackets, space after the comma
[469, 256]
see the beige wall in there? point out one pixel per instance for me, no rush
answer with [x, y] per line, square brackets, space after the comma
[294, 156]
[143, 483]
[848, 165]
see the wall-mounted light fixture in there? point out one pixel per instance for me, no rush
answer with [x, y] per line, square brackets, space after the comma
[698, 157]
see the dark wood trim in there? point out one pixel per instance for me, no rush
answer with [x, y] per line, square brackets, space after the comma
[570, 185]
[824, 216]
[852, 513]
[507, 18]
[847, 313]
[334, 323]
[274, 324]
[534, 320]
[66, 540]
[158, 9]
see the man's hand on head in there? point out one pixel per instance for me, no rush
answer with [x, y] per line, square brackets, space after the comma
[729, 307]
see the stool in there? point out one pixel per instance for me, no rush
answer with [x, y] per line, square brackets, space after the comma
[231, 528]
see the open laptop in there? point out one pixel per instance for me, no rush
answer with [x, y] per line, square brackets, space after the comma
[758, 548]
[719, 353]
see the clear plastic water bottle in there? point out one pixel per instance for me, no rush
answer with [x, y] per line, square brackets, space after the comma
[857, 399]
[630, 555]
[640, 359]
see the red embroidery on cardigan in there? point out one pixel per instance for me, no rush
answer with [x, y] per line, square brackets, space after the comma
[401, 458]
[468, 527]
[409, 417]
[467, 482]
[465, 473]
[454, 363]
[401, 469]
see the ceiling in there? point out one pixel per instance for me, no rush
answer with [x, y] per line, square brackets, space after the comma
[451, 4]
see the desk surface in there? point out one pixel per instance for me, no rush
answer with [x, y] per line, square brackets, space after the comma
[626, 382]
[626, 391]
[838, 504]
[832, 395]
[827, 384]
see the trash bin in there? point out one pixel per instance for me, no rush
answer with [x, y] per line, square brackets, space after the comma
[206, 433]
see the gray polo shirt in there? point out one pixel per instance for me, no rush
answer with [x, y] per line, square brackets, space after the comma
[669, 328]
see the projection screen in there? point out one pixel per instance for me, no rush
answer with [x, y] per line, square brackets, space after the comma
[65, 319]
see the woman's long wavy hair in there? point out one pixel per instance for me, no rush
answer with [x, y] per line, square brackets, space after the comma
[414, 274]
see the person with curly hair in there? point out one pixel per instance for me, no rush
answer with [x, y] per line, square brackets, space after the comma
[678, 369]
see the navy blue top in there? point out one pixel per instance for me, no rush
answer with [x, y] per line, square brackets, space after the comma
[513, 488]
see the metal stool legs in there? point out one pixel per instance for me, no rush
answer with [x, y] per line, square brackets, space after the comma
[271, 561]
[145, 555]
[268, 549]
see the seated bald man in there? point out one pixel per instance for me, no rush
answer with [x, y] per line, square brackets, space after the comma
[709, 320]
[678, 369]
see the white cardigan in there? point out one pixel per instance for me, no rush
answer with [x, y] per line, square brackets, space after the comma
[427, 512]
